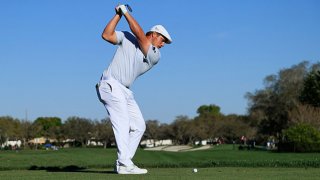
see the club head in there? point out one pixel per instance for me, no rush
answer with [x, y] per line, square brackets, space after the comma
[128, 6]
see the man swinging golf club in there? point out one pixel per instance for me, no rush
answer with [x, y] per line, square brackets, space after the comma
[136, 53]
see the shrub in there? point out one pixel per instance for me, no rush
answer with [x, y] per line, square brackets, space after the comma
[301, 138]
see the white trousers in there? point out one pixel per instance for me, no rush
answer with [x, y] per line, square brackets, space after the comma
[127, 121]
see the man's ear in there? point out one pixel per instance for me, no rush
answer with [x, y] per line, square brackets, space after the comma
[155, 34]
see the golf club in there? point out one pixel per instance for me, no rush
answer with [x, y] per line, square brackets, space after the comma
[128, 6]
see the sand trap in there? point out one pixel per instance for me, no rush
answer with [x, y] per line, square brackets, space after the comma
[177, 148]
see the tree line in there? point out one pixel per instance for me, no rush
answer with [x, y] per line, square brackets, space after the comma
[210, 123]
[287, 105]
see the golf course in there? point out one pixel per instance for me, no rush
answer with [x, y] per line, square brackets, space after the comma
[217, 162]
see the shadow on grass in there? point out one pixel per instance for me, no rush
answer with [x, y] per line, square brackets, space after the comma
[70, 168]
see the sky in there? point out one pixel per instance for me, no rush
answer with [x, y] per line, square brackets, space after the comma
[52, 54]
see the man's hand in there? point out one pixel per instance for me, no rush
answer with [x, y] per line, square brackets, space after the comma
[117, 9]
[121, 9]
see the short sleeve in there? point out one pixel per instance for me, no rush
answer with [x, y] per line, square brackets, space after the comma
[120, 36]
[153, 55]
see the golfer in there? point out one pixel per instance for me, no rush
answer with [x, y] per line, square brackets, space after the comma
[136, 53]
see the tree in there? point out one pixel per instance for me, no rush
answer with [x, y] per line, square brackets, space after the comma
[103, 132]
[181, 128]
[311, 90]
[152, 130]
[209, 110]
[26, 132]
[9, 129]
[303, 137]
[79, 129]
[269, 107]
[205, 123]
[233, 126]
[47, 126]
[305, 114]
[165, 131]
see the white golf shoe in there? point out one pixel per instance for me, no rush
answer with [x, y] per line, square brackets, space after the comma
[131, 170]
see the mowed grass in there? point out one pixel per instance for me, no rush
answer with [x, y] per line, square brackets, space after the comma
[219, 173]
[221, 162]
[222, 156]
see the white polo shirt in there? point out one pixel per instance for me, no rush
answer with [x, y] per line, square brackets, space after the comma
[129, 62]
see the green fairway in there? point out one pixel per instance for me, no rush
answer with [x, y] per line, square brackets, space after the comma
[221, 162]
[222, 156]
[171, 173]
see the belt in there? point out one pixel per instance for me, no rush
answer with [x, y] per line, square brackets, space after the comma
[106, 78]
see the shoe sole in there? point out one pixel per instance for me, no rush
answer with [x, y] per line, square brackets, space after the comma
[131, 173]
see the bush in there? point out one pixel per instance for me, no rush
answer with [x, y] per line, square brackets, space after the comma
[300, 138]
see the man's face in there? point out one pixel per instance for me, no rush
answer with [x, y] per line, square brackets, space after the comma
[158, 40]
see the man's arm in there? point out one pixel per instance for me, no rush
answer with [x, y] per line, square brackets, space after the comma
[109, 33]
[138, 32]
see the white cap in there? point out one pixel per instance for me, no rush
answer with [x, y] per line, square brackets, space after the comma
[160, 29]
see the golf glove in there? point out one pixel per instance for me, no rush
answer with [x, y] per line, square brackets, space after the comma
[121, 9]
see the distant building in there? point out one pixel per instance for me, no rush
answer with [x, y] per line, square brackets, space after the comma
[202, 142]
[93, 142]
[41, 140]
[12, 143]
[155, 143]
